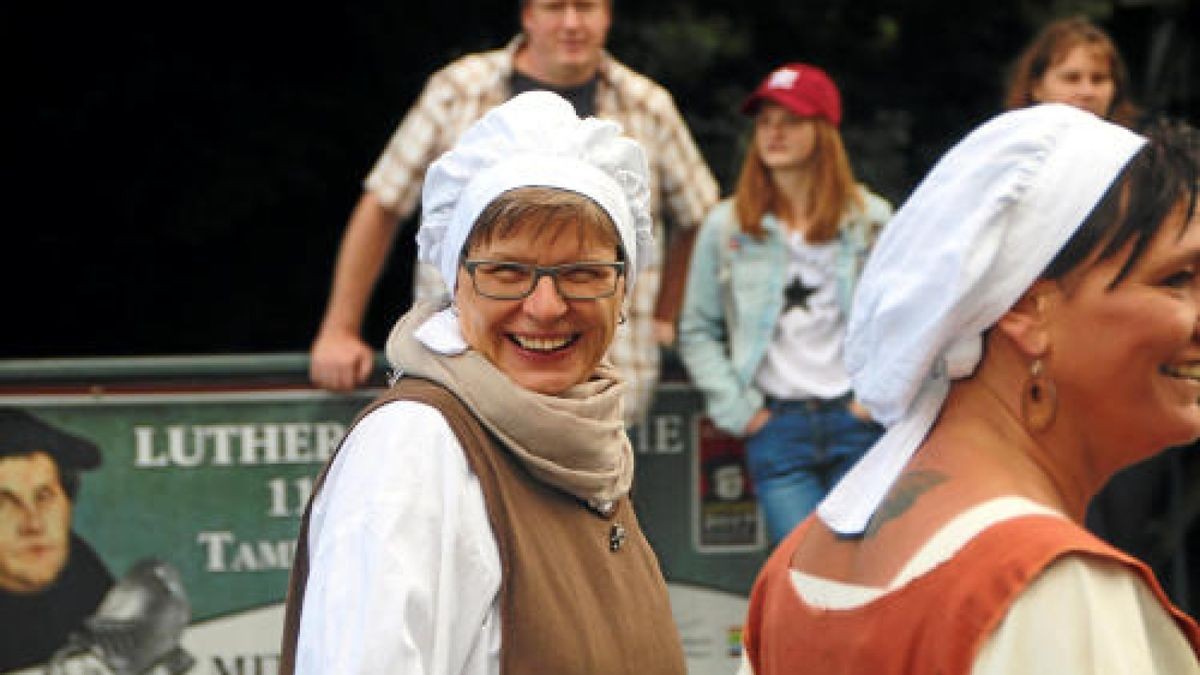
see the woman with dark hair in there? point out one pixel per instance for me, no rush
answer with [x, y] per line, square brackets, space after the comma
[1073, 61]
[768, 293]
[1028, 325]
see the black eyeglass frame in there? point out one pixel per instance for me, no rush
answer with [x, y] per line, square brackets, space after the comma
[540, 271]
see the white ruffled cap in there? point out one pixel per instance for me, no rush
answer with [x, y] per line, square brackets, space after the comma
[535, 139]
[972, 238]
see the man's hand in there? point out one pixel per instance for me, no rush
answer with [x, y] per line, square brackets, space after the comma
[340, 361]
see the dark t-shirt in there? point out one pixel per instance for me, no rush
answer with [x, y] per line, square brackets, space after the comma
[35, 626]
[583, 97]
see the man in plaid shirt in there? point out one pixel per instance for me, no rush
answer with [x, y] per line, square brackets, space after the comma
[561, 48]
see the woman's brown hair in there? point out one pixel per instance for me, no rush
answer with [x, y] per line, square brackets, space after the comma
[1052, 45]
[832, 190]
[548, 212]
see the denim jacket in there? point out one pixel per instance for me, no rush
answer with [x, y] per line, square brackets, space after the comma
[735, 297]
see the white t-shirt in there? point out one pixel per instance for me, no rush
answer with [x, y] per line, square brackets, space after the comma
[804, 357]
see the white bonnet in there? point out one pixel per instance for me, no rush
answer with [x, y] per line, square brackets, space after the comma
[535, 139]
[972, 238]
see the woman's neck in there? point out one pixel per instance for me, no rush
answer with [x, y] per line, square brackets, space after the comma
[793, 185]
[981, 433]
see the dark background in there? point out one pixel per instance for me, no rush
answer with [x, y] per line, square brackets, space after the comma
[178, 176]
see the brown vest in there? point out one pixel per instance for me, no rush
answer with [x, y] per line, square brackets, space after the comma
[579, 592]
[937, 622]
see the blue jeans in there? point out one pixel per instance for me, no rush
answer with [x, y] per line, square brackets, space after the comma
[799, 454]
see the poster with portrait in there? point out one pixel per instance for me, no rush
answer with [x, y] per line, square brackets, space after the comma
[154, 532]
[183, 504]
[727, 514]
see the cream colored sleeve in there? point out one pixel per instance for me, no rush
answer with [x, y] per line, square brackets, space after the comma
[1085, 615]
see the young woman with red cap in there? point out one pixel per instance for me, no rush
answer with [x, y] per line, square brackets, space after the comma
[769, 291]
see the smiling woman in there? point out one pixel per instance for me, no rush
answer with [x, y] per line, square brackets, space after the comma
[541, 289]
[1048, 337]
[476, 519]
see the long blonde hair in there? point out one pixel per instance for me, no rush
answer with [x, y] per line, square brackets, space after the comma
[832, 190]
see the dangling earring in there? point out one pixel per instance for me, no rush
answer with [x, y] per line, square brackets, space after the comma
[1039, 401]
[621, 318]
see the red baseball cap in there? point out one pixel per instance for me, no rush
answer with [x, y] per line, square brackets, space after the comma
[803, 89]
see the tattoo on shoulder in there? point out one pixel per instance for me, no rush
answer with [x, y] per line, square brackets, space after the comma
[902, 496]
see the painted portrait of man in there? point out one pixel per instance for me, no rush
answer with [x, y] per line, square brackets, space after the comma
[50, 578]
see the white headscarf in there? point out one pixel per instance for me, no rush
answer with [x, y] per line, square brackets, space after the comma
[535, 139]
[971, 239]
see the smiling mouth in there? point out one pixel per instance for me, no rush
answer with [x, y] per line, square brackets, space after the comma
[1190, 371]
[543, 345]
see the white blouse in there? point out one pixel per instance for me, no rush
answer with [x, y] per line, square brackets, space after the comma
[404, 568]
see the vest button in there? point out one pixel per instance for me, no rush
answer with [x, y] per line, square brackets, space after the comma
[616, 537]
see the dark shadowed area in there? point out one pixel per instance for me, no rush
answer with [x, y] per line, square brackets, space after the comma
[178, 176]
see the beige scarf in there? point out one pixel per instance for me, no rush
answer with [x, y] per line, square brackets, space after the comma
[575, 441]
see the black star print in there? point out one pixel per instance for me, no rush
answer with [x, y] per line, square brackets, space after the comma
[796, 295]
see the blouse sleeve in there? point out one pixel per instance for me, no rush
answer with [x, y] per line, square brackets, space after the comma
[1085, 615]
[404, 568]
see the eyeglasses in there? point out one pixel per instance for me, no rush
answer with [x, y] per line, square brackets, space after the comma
[558, 7]
[503, 280]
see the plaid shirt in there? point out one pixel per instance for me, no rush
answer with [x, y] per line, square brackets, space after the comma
[681, 186]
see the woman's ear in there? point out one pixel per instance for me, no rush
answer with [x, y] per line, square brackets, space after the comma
[1025, 325]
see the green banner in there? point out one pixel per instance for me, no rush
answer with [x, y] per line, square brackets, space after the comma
[209, 482]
